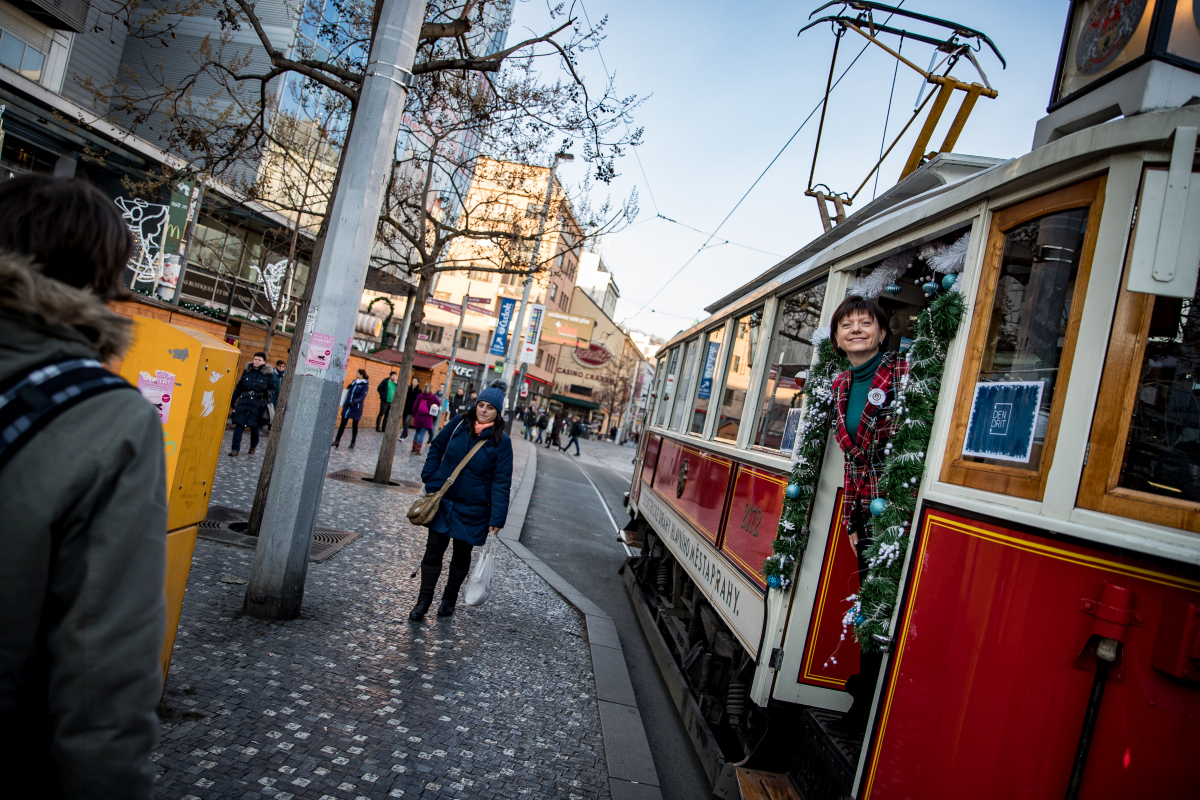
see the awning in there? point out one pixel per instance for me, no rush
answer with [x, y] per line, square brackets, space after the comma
[571, 401]
[420, 360]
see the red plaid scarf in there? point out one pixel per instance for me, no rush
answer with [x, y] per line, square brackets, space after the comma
[864, 456]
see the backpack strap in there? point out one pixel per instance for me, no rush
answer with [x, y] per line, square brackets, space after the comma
[31, 400]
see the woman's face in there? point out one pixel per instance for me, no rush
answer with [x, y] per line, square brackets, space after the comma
[860, 335]
[485, 412]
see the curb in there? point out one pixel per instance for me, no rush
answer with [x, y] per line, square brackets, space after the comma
[631, 771]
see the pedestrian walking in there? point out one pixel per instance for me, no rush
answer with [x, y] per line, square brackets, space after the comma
[410, 397]
[458, 404]
[352, 407]
[576, 428]
[387, 393]
[477, 502]
[83, 497]
[863, 398]
[273, 403]
[530, 421]
[426, 409]
[556, 427]
[543, 420]
[249, 401]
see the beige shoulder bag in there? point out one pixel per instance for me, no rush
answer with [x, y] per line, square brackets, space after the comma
[424, 509]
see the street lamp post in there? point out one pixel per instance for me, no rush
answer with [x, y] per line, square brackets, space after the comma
[511, 358]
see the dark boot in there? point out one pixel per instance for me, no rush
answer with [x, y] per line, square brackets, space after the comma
[429, 579]
[453, 583]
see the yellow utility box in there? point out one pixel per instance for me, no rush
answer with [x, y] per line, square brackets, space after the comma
[189, 376]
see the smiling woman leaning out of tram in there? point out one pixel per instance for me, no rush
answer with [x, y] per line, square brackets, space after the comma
[863, 396]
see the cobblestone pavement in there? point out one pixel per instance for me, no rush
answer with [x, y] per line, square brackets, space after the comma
[353, 701]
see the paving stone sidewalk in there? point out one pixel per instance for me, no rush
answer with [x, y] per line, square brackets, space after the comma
[353, 701]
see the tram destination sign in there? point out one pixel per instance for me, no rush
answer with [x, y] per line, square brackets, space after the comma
[739, 602]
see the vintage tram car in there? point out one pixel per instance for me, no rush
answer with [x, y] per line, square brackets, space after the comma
[1045, 638]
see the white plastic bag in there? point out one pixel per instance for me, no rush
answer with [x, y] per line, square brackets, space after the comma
[479, 585]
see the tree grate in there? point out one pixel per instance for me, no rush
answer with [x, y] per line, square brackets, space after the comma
[222, 525]
[356, 477]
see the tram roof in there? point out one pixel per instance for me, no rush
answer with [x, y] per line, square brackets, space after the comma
[941, 170]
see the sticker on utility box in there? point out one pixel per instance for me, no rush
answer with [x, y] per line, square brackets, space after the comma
[320, 350]
[1004, 417]
[158, 388]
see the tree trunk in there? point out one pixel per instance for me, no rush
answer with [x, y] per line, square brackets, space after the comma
[387, 452]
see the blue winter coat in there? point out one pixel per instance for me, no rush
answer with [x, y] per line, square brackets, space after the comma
[251, 394]
[478, 500]
[355, 397]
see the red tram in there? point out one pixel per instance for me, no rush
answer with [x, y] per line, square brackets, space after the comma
[1045, 636]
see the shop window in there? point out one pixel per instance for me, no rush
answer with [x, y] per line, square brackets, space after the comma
[1023, 339]
[787, 368]
[747, 336]
[537, 361]
[1144, 451]
[430, 333]
[685, 385]
[709, 363]
[668, 389]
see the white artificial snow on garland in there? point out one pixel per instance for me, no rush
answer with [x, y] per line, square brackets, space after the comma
[887, 273]
[947, 258]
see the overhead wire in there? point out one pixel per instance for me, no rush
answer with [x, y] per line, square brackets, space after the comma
[786, 144]
[888, 117]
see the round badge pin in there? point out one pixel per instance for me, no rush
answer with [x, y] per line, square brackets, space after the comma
[876, 396]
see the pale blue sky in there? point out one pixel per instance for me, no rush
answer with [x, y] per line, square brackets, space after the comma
[729, 83]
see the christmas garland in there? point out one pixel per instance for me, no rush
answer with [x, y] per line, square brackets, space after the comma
[812, 436]
[871, 609]
[892, 511]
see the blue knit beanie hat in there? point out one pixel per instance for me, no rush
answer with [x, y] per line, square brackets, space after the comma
[494, 394]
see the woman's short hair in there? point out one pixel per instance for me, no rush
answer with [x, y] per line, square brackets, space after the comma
[261, 354]
[70, 229]
[852, 305]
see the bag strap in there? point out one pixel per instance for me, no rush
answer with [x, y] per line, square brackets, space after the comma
[33, 399]
[461, 466]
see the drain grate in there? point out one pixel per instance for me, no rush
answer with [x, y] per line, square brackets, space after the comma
[357, 477]
[217, 528]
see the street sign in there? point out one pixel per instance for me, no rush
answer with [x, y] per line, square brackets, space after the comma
[500, 339]
[533, 334]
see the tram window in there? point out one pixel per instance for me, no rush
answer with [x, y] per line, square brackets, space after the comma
[746, 338]
[791, 356]
[1026, 318]
[685, 385]
[668, 389]
[709, 362]
[1144, 450]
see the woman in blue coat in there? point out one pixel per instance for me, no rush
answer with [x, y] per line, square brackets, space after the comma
[356, 397]
[475, 505]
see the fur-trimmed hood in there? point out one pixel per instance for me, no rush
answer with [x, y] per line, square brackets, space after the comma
[60, 308]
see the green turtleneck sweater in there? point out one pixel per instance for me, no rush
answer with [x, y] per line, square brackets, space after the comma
[860, 383]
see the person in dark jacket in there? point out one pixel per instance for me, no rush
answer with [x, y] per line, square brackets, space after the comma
[249, 401]
[576, 428]
[530, 422]
[556, 427]
[352, 410]
[85, 512]
[280, 371]
[477, 502]
[387, 393]
[410, 397]
[542, 421]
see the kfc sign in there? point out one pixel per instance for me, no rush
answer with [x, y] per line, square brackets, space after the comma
[593, 357]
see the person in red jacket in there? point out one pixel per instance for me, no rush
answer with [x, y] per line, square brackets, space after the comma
[426, 409]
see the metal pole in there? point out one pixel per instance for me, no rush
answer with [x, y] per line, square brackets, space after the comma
[193, 216]
[462, 314]
[510, 360]
[276, 587]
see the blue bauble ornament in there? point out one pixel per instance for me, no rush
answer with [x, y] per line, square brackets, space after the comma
[948, 281]
[774, 581]
[893, 289]
[930, 287]
[878, 506]
[792, 491]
